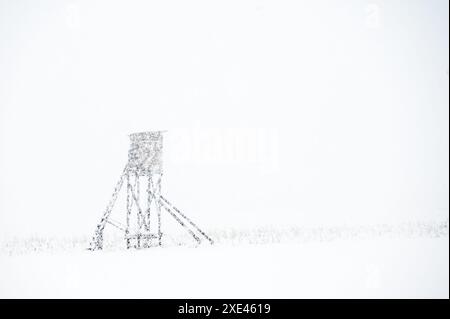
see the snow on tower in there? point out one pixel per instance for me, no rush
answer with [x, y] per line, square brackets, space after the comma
[142, 228]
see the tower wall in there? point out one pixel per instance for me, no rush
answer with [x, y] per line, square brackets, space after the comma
[145, 153]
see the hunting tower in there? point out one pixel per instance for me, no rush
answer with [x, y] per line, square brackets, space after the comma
[142, 228]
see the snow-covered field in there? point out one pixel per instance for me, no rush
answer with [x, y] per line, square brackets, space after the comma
[360, 262]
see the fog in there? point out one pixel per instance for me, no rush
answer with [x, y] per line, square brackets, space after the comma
[277, 112]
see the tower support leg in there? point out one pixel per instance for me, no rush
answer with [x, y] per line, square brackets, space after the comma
[129, 205]
[149, 203]
[159, 225]
[97, 240]
[157, 192]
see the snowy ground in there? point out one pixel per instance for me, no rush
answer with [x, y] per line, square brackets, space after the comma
[380, 266]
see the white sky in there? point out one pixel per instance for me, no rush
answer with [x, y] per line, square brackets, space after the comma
[341, 106]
